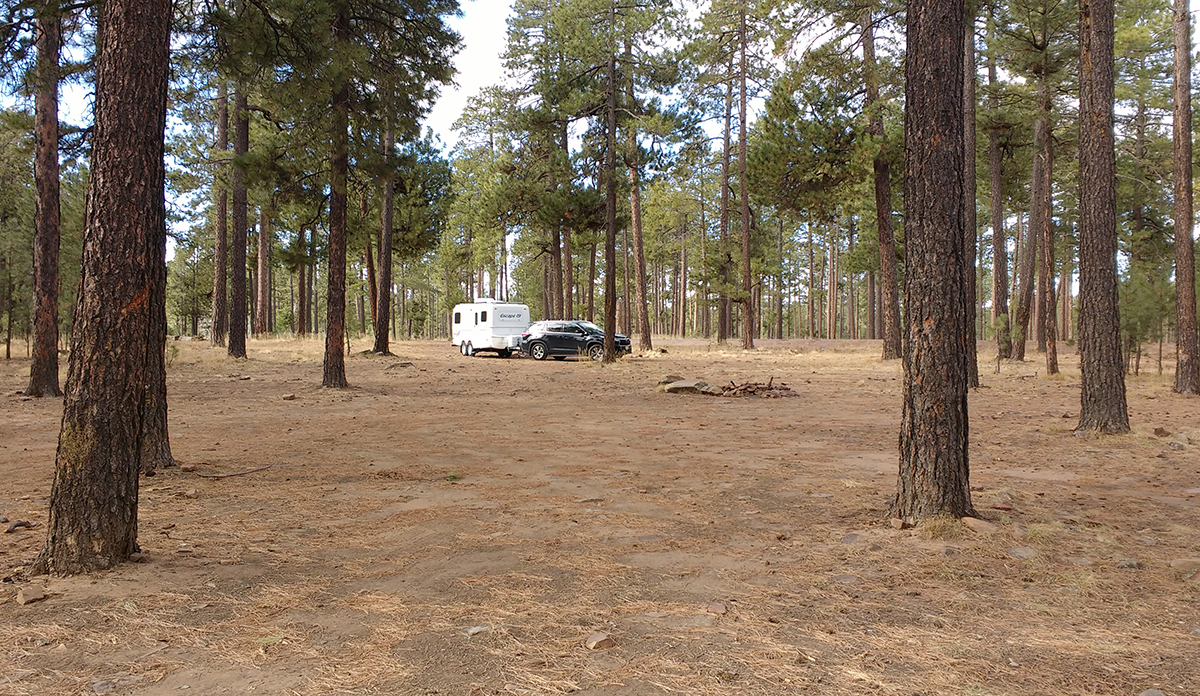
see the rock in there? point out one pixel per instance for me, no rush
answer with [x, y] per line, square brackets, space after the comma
[139, 558]
[668, 379]
[851, 538]
[898, 523]
[950, 551]
[398, 365]
[3, 519]
[979, 526]
[289, 397]
[102, 686]
[685, 386]
[1152, 692]
[1161, 432]
[476, 630]
[599, 641]
[590, 499]
[30, 594]
[187, 468]
[1190, 491]
[718, 608]
[190, 493]
[1129, 564]
[1183, 439]
[874, 548]
[710, 390]
[1185, 565]
[1002, 505]
[1022, 552]
[1079, 560]
[845, 579]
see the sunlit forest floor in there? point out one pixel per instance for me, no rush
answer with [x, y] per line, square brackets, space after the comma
[456, 525]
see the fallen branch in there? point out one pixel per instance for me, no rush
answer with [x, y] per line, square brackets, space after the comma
[240, 473]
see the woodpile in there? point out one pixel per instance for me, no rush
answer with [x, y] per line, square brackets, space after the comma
[770, 390]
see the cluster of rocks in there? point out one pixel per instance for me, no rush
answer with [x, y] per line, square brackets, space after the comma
[673, 384]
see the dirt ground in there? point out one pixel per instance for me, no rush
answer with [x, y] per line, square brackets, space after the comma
[457, 525]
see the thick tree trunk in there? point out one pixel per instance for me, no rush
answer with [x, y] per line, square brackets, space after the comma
[237, 251]
[1103, 406]
[934, 463]
[93, 503]
[334, 374]
[1187, 370]
[889, 284]
[220, 307]
[748, 309]
[43, 367]
[384, 295]
[610, 206]
[969, 210]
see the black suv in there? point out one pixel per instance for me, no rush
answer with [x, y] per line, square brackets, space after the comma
[560, 338]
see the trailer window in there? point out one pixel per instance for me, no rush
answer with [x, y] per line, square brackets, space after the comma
[483, 316]
[458, 317]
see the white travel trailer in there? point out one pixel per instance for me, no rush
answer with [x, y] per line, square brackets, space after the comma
[488, 324]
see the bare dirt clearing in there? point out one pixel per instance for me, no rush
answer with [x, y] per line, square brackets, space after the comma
[463, 525]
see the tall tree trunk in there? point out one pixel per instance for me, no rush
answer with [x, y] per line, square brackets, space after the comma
[1103, 406]
[383, 297]
[748, 313]
[1039, 215]
[888, 281]
[43, 367]
[723, 308]
[93, 503]
[263, 295]
[610, 201]
[334, 374]
[645, 342]
[220, 307]
[1046, 290]
[969, 210]
[568, 258]
[1000, 316]
[302, 287]
[1187, 370]
[591, 300]
[237, 251]
[934, 467]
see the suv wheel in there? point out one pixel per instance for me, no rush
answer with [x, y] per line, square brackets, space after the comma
[538, 351]
[596, 351]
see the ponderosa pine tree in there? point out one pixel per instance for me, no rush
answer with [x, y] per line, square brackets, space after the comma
[238, 305]
[934, 463]
[1103, 407]
[93, 502]
[43, 367]
[1187, 369]
[888, 284]
[220, 306]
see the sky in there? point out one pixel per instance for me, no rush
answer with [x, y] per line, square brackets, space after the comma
[479, 65]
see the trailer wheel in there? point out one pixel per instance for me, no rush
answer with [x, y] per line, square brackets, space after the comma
[538, 351]
[462, 349]
[470, 350]
[596, 352]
